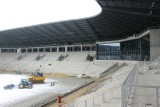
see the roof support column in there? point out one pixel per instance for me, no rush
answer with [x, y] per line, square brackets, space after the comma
[57, 49]
[65, 48]
[38, 49]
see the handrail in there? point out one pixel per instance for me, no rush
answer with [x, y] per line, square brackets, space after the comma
[97, 95]
[127, 87]
[156, 95]
[70, 104]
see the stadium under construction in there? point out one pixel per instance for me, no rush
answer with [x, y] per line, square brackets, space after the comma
[108, 60]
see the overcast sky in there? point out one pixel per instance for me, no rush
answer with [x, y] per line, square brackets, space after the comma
[20, 13]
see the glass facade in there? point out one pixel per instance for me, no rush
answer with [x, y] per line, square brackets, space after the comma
[138, 49]
[130, 50]
[145, 48]
[109, 51]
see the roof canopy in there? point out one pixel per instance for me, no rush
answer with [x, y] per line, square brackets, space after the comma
[118, 19]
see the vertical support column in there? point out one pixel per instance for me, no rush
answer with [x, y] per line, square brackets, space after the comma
[65, 48]
[38, 49]
[0, 50]
[57, 49]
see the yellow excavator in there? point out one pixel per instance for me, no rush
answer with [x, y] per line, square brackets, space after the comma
[36, 77]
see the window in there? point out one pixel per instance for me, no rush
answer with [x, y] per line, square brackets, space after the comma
[61, 49]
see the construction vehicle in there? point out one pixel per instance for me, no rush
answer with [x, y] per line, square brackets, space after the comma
[36, 77]
[25, 84]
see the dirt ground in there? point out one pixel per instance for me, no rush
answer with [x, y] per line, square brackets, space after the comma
[70, 97]
[57, 75]
[83, 91]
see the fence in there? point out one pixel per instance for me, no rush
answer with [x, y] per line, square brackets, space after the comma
[151, 99]
[127, 86]
[152, 96]
[92, 102]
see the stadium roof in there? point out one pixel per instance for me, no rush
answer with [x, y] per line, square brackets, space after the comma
[118, 19]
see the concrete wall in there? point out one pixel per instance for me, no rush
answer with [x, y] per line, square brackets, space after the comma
[154, 43]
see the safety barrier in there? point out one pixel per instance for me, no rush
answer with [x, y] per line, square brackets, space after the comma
[91, 101]
[127, 87]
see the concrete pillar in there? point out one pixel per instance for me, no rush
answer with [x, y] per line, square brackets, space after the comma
[66, 49]
[19, 50]
[154, 43]
[57, 49]
[38, 50]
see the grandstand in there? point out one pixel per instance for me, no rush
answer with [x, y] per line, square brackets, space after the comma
[108, 60]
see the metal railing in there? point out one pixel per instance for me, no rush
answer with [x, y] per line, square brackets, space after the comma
[151, 98]
[127, 86]
[91, 102]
